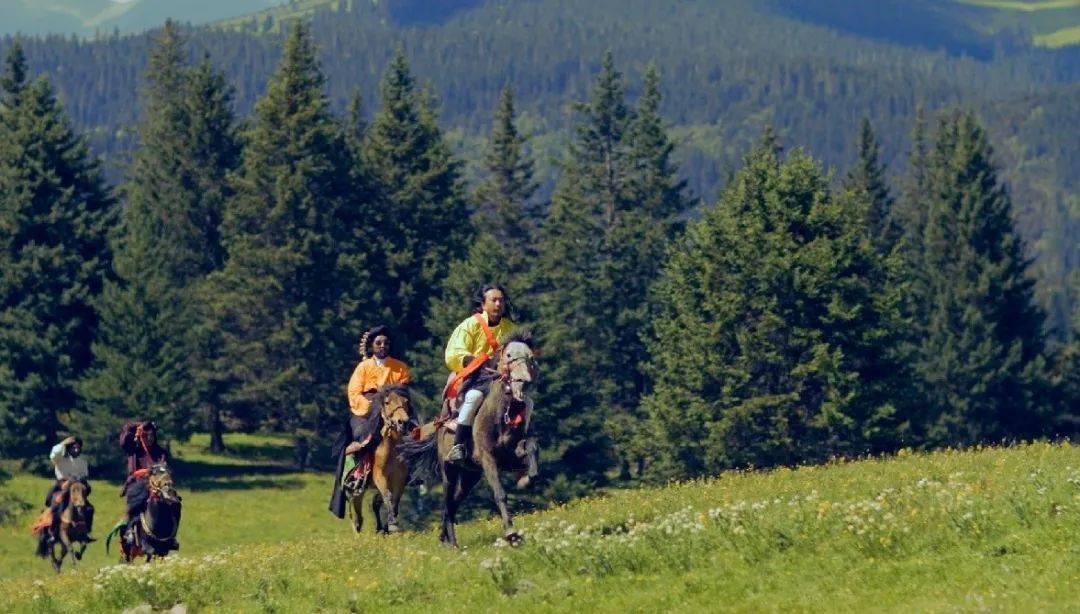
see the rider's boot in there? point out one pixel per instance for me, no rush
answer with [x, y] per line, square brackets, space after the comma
[462, 437]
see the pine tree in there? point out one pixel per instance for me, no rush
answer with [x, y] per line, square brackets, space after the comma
[867, 180]
[150, 355]
[980, 354]
[54, 211]
[422, 218]
[637, 244]
[775, 327]
[613, 213]
[574, 304]
[503, 250]
[294, 285]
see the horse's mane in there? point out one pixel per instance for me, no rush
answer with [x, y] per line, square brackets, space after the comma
[519, 336]
[372, 422]
[383, 393]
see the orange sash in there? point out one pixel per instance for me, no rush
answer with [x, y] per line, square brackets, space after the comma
[478, 361]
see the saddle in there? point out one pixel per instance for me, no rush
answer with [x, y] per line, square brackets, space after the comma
[358, 475]
[43, 522]
[516, 413]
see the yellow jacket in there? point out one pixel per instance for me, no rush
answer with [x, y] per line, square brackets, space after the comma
[468, 339]
[369, 376]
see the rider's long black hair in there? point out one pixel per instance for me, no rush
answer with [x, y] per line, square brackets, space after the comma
[477, 301]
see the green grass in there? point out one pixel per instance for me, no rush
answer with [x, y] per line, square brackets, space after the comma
[276, 16]
[1060, 38]
[955, 530]
[1027, 6]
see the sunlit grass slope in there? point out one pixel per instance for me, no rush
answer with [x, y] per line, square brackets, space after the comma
[955, 530]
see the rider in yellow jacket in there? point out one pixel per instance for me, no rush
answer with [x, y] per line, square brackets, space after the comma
[469, 347]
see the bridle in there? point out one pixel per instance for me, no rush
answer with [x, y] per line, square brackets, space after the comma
[388, 425]
[156, 490]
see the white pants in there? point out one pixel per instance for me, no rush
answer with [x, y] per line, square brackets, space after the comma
[469, 406]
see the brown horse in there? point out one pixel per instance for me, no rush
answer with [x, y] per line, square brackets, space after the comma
[388, 471]
[73, 533]
[499, 440]
[154, 532]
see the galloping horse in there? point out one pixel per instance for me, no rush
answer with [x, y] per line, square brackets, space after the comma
[499, 441]
[390, 474]
[155, 532]
[73, 534]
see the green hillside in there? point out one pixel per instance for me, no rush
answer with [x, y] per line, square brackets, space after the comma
[987, 529]
[87, 17]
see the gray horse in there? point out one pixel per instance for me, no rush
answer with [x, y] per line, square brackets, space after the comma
[499, 441]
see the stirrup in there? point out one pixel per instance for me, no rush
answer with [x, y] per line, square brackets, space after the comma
[456, 453]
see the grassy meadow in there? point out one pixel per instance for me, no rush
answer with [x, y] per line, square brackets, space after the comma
[994, 528]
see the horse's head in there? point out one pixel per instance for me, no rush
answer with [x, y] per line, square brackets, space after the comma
[161, 484]
[517, 365]
[77, 494]
[396, 410]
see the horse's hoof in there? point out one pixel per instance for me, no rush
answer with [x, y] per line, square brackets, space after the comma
[393, 528]
[514, 539]
[522, 482]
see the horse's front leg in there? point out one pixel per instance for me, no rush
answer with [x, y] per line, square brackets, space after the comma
[491, 473]
[529, 452]
[450, 483]
[57, 561]
[356, 502]
[393, 501]
[376, 507]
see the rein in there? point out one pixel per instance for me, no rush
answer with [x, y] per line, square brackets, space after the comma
[150, 533]
[155, 494]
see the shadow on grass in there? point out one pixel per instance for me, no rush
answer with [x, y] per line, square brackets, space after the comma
[272, 451]
[202, 475]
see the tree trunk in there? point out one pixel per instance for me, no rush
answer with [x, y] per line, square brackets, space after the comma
[217, 435]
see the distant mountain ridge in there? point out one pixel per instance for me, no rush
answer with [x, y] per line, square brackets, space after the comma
[89, 17]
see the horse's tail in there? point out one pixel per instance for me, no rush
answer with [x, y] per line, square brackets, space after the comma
[108, 538]
[421, 456]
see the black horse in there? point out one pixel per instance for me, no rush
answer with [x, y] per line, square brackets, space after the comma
[153, 532]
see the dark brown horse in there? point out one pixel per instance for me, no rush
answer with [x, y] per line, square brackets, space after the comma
[388, 471]
[73, 531]
[153, 534]
[499, 440]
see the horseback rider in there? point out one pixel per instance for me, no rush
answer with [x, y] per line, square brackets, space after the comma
[68, 467]
[139, 442]
[471, 345]
[375, 370]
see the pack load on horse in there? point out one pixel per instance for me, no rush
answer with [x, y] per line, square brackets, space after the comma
[152, 518]
[68, 517]
[487, 431]
[358, 446]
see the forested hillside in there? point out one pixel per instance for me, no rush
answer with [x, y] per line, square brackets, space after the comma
[740, 239]
[728, 70]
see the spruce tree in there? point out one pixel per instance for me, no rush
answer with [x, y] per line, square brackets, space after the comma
[613, 212]
[54, 210]
[980, 354]
[637, 244]
[422, 218]
[867, 180]
[151, 354]
[294, 285]
[775, 331]
[503, 250]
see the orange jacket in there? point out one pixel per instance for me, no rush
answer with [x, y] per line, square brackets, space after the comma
[369, 377]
